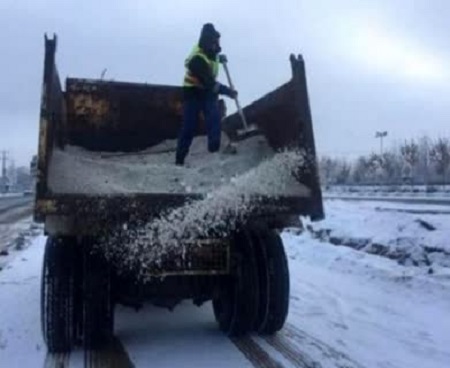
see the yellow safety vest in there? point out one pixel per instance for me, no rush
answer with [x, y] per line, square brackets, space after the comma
[189, 79]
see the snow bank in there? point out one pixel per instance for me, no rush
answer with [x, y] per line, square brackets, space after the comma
[218, 214]
[430, 191]
[76, 170]
[412, 239]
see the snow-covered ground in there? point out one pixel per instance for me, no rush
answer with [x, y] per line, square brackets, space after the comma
[348, 309]
[379, 313]
[417, 193]
[16, 228]
[10, 195]
[411, 234]
[428, 190]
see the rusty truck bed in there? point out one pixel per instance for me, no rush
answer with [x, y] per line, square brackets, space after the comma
[107, 116]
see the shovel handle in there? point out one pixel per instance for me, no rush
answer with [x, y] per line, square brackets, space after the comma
[238, 105]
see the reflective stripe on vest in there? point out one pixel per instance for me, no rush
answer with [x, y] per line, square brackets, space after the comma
[189, 79]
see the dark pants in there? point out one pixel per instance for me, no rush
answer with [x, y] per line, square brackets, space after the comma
[192, 106]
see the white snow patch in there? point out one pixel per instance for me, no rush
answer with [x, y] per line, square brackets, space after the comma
[20, 333]
[186, 337]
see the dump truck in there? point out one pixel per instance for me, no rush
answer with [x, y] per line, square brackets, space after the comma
[95, 123]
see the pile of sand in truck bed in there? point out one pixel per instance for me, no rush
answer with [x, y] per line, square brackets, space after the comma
[76, 170]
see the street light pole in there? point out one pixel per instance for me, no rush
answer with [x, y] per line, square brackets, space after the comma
[381, 135]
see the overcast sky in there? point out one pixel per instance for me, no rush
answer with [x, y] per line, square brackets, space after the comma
[371, 65]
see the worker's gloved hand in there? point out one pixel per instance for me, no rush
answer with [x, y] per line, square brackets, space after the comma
[227, 91]
[223, 59]
[232, 93]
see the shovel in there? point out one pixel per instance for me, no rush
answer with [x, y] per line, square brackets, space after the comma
[248, 130]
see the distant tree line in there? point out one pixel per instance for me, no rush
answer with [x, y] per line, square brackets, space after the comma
[18, 178]
[422, 161]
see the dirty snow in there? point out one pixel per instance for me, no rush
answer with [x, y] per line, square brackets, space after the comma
[16, 228]
[16, 237]
[76, 170]
[343, 303]
[412, 234]
[219, 214]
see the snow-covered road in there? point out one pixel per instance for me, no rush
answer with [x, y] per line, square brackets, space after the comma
[348, 309]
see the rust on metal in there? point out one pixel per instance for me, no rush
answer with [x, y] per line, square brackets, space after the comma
[207, 258]
[95, 110]
[120, 116]
[42, 149]
[47, 206]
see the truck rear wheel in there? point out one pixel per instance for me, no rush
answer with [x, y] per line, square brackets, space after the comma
[57, 294]
[235, 305]
[98, 307]
[78, 296]
[274, 282]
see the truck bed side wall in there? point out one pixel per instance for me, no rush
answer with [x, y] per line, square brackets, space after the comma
[284, 117]
[118, 116]
[52, 116]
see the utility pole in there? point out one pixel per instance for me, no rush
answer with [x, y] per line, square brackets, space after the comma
[3, 178]
[381, 135]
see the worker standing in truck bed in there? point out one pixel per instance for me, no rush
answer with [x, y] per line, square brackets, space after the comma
[201, 91]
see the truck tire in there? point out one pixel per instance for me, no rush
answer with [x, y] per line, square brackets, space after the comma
[98, 307]
[263, 277]
[274, 283]
[57, 294]
[236, 304]
[78, 297]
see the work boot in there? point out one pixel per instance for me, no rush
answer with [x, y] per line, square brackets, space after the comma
[179, 157]
[179, 161]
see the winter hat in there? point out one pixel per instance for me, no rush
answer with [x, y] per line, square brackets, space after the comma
[209, 39]
[208, 31]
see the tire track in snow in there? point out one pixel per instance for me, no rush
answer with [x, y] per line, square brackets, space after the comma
[319, 348]
[291, 352]
[255, 354]
[57, 360]
[112, 356]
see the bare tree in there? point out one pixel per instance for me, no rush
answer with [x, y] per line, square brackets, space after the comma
[375, 167]
[440, 156]
[423, 167]
[343, 171]
[391, 165]
[410, 155]
[326, 168]
[365, 169]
